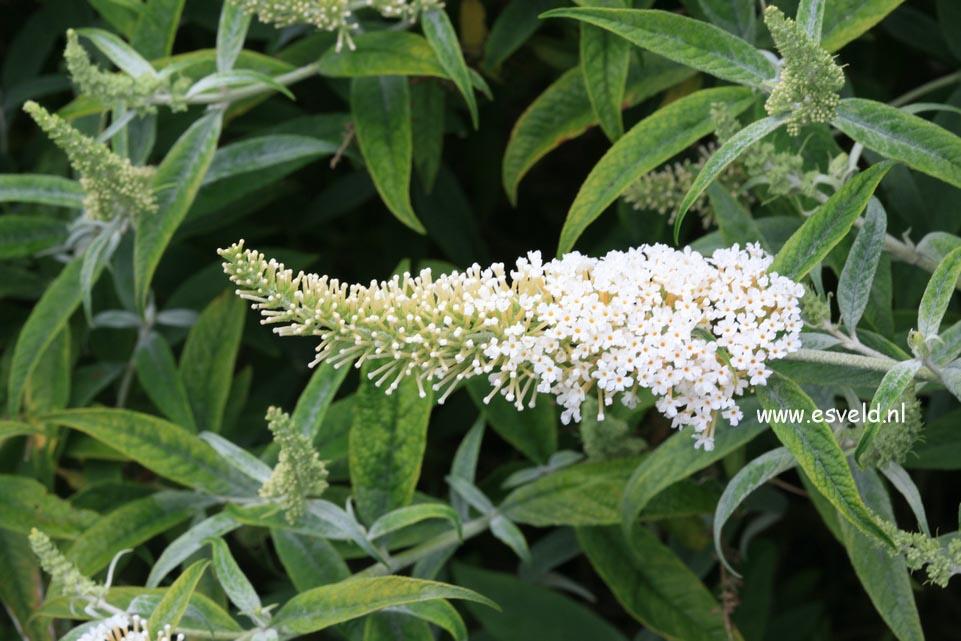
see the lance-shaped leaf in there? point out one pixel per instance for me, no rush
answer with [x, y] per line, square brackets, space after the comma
[235, 583]
[894, 384]
[676, 459]
[884, 577]
[443, 39]
[901, 136]
[810, 17]
[42, 190]
[564, 112]
[730, 151]
[381, 110]
[818, 454]
[177, 597]
[328, 605]
[857, 277]
[167, 449]
[409, 515]
[845, 20]
[185, 545]
[383, 53]
[749, 478]
[819, 234]
[177, 181]
[231, 32]
[22, 236]
[119, 52]
[937, 294]
[160, 380]
[653, 585]
[25, 504]
[685, 40]
[605, 60]
[649, 143]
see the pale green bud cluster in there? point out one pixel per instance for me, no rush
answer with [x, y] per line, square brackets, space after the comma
[663, 190]
[815, 310]
[810, 80]
[106, 87]
[895, 439]
[63, 572]
[939, 560]
[332, 15]
[608, 439]
[114, 188]
[299, 472]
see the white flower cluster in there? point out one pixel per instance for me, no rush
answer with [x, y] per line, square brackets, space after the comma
[121, 628]
[695, 331]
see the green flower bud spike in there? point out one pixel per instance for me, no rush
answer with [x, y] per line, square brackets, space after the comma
[299, 472]
[809, 81]
[65, 573]
[114, 187]
[940, 560]
[106, 87]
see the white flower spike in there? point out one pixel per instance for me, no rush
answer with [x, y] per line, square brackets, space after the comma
[695, 331]
[122, 628]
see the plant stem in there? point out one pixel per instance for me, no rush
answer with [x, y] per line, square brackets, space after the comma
[285, 79]
[871, 363]
[415, 554]
[917, 92]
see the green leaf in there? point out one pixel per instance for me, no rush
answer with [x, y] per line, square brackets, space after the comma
[649, 143]
[25, 504]
[440, 613]
[328, 605]
[731, 150]
[734, 221]
[533, 431]
[427, 129]
[684, 40]
[21, 590]
[220, 81]
[653, 585]
[231, 32]
[845, 20]
[154, 34]
[42, 190]
[818, 454]
[591, 493]
[564, 112]
[749, 478]
[315, 400]
[188, 543]
[443, 39]
[208, 357]
[232, 579]
[388, 437]
[164, 448]
[903, 137]
[510, 535]
[820, 233]
[531, 611]
[810, 17]
[676, 459]
[857, 277]
[885, 577]
[26, 235]
[119, 53]
[160, 380]
[892, 387]
[177, 180]
[394, 626]
[48, 317]
[310, 561]
[409, 515]
[383, 53]
[122, 15]
[903, 483]
[177, 597]
[263, 152]
[605, 60]
[736, 16]
[382, 121]
[515, 23]
[937, 294]
[132, 524]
